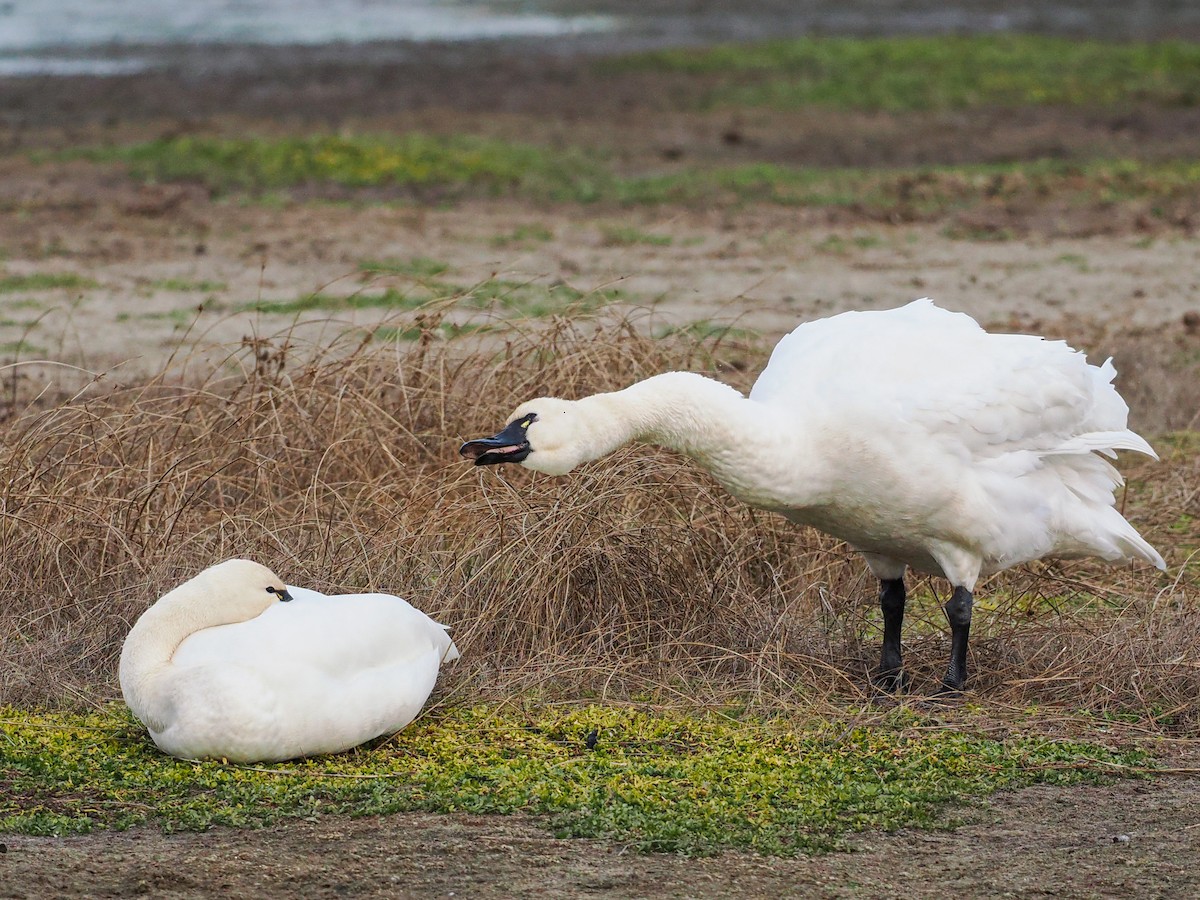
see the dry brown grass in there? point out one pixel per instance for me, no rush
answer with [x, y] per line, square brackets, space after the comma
[637, 575]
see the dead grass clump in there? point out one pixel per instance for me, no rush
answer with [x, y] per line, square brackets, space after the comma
[636, 575]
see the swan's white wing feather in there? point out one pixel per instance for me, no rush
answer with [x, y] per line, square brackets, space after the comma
[923, 372]
[337, 634]
[987, 442]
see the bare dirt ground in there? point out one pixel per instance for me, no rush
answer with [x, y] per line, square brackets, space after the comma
[171, 272]
[1128, 840]
[1097, 275]
[766, 267]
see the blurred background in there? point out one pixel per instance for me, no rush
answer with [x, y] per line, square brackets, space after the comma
[93, 37]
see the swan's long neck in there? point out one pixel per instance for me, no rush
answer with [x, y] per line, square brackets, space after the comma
[745, 445]
[150, 645]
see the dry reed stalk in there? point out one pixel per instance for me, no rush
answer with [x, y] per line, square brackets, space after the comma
[637, 576]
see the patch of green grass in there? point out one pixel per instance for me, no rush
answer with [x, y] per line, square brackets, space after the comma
[539, 174]
[447, 330]
[942, 72]
[707, 330]
[839, 245]
[919, 191]
[531, 299]
[534, 299]
[181, 316]
[523, 234]
[659, 782]
[11, 284]
[418, 162]
[418, 267]
[20, 348]
[1078, 260]
[980, 233]
[1185, 523]
[183, 285]
[388, 299]
[626, 236]
[25, 303]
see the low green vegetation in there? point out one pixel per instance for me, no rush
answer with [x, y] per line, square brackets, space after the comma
[625, 236]
[541, 174]
[535, 299]
[20, 348]
[11, 284]
[531, 299]
[183, 285]
[392, 333]
[415, 162]
[1076, 260]
[388, 299]
[179, 317]
[839, 245]
[523, 234]
[980, 234]
[941, 72]
[658, 782]
[707, 330]
[418, 267]
[25, 303]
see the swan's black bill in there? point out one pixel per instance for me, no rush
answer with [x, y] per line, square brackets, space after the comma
[281, 593]
[509, 445]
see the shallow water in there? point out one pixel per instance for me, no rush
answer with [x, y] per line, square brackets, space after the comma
[42, 24]
[105, 37]
[102, 37]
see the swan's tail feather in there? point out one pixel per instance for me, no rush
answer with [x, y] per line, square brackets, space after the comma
[451, 653]
[1134, 545]
[1106, 443]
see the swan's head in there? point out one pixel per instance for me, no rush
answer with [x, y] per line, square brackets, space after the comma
[547, 435]
[238, 589]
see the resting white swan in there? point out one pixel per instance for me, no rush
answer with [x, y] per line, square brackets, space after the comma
[912, 434]
[218, 667]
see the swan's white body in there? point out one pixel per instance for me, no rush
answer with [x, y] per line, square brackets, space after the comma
[318, 674]
[913, 434]
[984, 446]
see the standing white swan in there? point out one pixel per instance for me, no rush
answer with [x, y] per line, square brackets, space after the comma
[220, 668]
[912, 434]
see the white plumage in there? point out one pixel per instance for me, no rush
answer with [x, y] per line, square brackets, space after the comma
[219, 668]
[913, 434]
[982, 440]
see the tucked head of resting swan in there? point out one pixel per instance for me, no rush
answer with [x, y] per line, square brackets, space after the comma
[219, 667]
[912, 434]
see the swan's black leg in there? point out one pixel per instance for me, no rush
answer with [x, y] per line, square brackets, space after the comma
[958, 611]
[890, 675]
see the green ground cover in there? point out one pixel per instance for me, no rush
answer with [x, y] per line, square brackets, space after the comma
[43, 281]
[658, 781]
[254, 165]
[940, 72]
